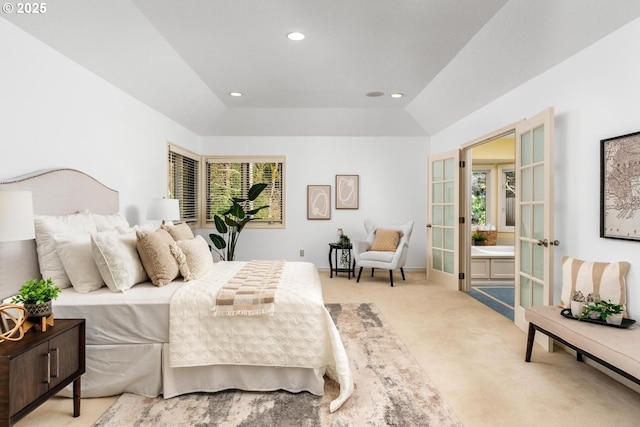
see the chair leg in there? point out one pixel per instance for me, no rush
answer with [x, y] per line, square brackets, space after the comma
[372, 270]
[402, 271]
[391, 277]
[359, 273]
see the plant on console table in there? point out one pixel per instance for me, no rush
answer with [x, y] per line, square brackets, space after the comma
[36, 297]
[230, 222]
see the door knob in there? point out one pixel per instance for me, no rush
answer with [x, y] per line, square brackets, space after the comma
[428, 225]
[555, 243]
[544, 243]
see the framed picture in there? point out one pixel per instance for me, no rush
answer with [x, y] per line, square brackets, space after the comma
[318, 202]
[620, 187]
[347, 188]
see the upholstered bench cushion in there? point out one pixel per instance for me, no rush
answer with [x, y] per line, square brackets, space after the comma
[618, 346]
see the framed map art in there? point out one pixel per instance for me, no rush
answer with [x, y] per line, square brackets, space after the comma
[620, 187]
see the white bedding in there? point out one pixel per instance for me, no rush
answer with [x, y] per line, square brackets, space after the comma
[300, 332]
[139, 315]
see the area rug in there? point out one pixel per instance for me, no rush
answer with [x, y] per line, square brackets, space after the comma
[391, 389]
[499, 298]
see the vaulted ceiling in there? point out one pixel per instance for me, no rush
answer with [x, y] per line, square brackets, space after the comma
[184, 57]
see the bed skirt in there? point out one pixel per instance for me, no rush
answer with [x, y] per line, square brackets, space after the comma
[142, 369]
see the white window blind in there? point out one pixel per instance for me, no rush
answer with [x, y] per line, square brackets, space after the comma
[183, 182]
[228, 177]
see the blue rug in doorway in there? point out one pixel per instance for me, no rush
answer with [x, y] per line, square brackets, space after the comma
[499, 298]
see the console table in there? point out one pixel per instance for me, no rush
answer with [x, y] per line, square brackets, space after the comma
[39, 366]
[334, 249]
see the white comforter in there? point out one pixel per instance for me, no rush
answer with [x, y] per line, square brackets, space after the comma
[300, 333]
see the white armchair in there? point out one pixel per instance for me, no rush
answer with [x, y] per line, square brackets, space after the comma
[387, 250]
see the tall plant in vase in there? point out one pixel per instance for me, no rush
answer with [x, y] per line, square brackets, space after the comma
[230, 222]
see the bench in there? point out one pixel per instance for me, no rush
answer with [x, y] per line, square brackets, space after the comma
[618, 349]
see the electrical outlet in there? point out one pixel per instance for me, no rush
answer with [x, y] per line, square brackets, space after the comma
[301, 252]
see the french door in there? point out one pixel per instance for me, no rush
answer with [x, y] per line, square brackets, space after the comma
[534, 241]
[443, 229]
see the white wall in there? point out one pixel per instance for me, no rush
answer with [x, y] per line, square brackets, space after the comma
[392, 191]
[595, 95]
[54, 113]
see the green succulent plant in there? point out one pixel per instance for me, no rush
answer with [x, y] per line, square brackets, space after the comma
[37, 292]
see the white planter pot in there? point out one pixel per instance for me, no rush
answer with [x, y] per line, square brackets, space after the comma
[614, 319]
[577, 307]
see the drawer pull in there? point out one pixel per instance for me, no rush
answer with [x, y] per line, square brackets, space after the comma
[57, 370]
[48, 379]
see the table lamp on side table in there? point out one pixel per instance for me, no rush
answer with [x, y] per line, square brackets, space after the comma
[16, 223]
[163, 209]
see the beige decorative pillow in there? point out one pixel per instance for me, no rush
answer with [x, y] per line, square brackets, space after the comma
[181, 231]
[182, 261]
[198, 256]
[385, 240]
[605, 279]
[155, 254]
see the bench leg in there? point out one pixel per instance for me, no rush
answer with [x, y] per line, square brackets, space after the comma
[578, 356]
[530, 337]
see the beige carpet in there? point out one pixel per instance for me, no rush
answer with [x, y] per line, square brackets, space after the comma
[390, 389]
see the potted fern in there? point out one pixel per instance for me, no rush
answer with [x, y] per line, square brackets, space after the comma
[36, 297]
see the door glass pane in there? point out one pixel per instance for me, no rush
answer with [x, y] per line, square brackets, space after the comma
[525, 223]
[436, 237]
[448, 215]
[437, 215]
[479, 197]
[448, 170]
[525, 187]
[525, 257]
[448, 238]
[448, 192]
[538, 183]
[525, 148]
[538, 293]
[448, 262]
[538, 222]
[538, 262]
[538, 144]
[437, 192]
[437, 173]
[525, 292]
[437, 259]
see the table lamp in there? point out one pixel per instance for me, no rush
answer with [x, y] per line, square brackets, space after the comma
[16, 223]
[163, 209]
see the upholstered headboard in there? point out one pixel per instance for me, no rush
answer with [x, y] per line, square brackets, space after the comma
[55, 192]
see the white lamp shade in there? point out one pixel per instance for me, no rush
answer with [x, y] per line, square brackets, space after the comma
[16, 216]
[163, 209]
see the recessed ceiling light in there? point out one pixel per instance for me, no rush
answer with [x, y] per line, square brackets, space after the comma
[375, 94]
[295, 36]
[397, 95]
[235, 93]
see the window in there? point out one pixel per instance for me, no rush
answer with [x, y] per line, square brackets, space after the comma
[481, 212]
[227, 177]
[507, 199]
[182, 174]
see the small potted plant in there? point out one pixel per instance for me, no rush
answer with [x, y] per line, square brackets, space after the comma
[604, 310]
[478, 238]
[36, 297]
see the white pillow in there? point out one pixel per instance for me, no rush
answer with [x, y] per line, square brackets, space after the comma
[76, 257]
[117, 259]
[46, 226]
[198, 256]
[109, 222]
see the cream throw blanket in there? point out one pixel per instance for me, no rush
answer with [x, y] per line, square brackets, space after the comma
[251, 291]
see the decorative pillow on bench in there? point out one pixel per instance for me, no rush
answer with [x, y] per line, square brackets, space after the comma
[605, 279]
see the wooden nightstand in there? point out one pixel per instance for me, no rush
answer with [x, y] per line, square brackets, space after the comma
[39, 366]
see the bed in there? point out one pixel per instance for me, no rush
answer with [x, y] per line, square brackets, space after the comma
[136, 338]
